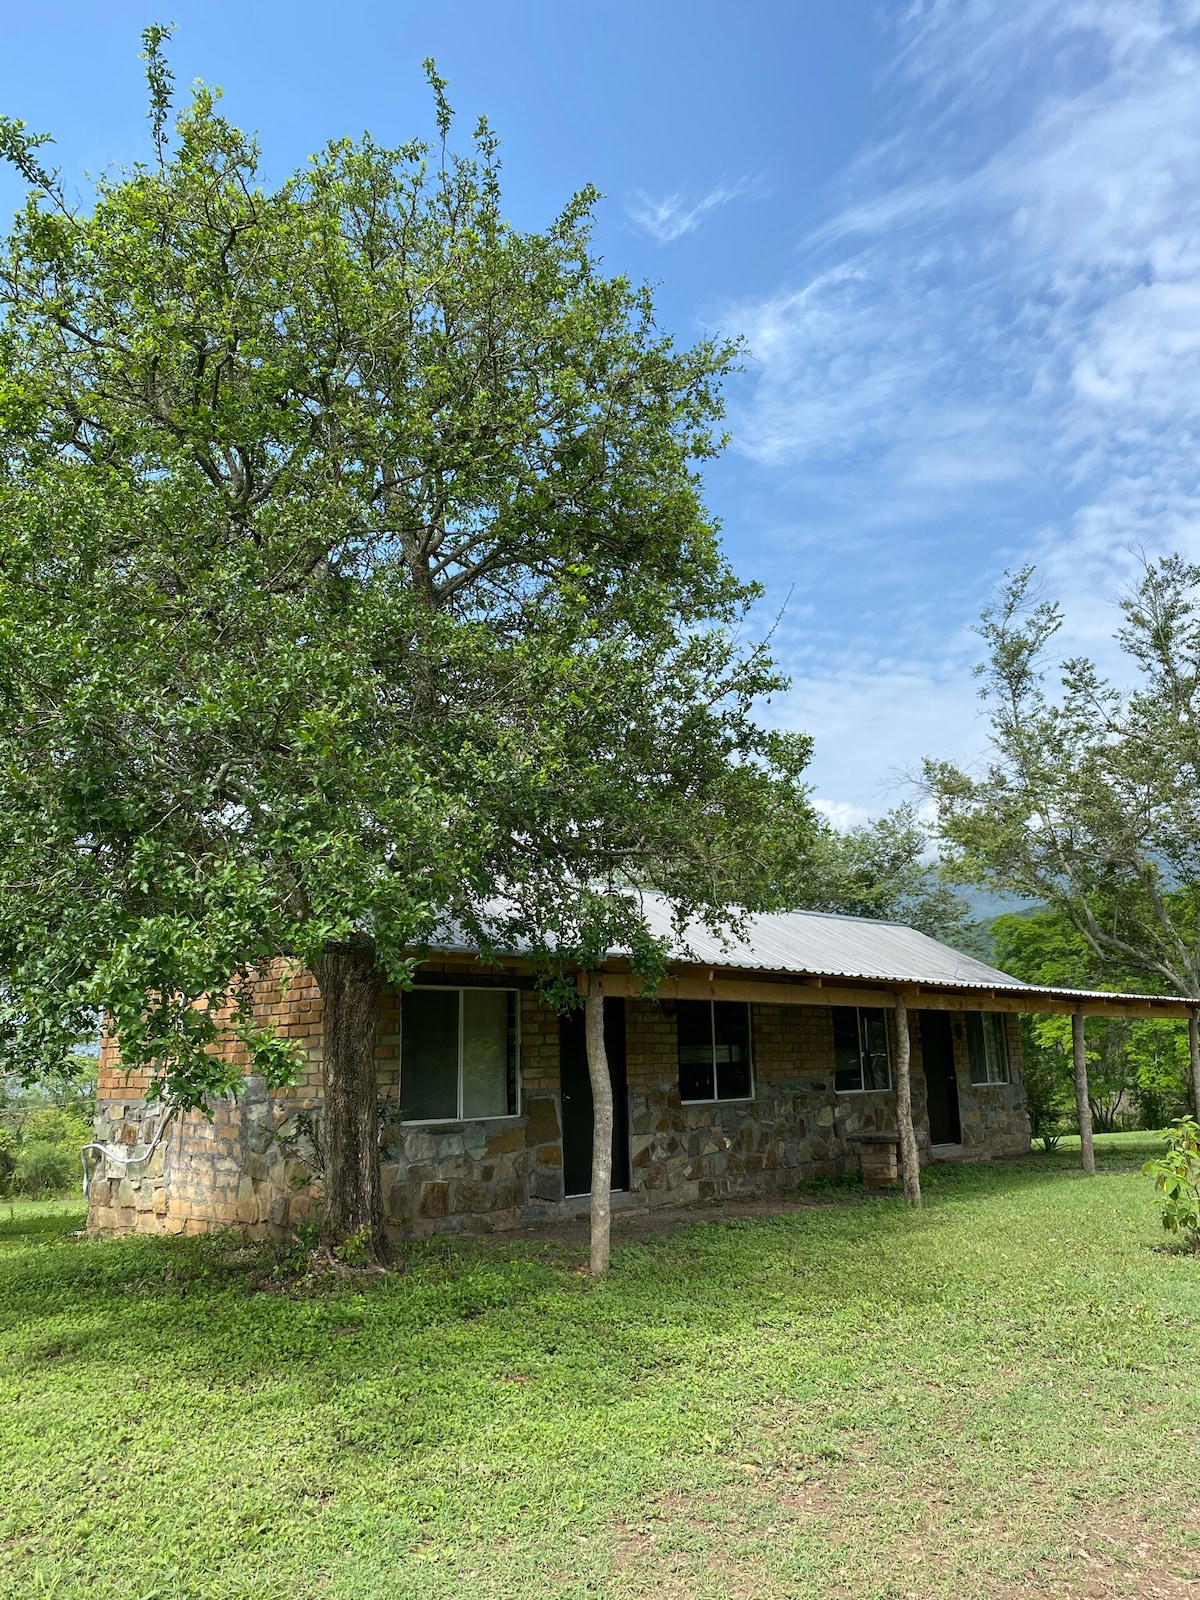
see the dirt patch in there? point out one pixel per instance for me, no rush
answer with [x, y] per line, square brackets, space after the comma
[1120, 1558]
[1098, 1578]
[690, 1546]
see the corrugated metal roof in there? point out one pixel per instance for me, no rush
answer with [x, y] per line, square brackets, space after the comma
[817, 943]
[824, 944]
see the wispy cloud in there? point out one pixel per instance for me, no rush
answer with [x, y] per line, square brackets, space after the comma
[991, 348]
[675, 215]
[842, 814]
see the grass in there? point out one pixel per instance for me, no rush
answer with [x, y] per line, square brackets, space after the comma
[992, 1397]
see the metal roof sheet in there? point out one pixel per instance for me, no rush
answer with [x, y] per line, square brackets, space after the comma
[824, 944]
[820, 943]
[827, 945]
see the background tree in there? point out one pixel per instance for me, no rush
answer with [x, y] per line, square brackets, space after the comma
[1090, 802]
[43, 1127]
[1135, 1068]
[316, 504]
[888, 868]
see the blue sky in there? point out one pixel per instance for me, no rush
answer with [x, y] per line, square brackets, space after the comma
[962, 241]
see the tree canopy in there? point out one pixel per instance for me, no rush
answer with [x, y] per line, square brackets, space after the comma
[887, 868]
[1089, 803]
[1136, 1068]
[354, 571]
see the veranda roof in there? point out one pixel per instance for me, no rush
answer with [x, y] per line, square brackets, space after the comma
[820, 943]
[784, 957]
[815, 946]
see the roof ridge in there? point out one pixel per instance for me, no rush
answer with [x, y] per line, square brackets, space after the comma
[841, 916]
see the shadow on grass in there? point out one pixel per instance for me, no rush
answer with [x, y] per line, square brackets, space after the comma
[41, 1219]
[197, 1298]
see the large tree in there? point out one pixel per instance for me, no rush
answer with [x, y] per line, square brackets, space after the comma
[661, 782]
[339, 522]
[1090, 801]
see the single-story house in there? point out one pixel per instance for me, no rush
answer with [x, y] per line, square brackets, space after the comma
[762, 1061]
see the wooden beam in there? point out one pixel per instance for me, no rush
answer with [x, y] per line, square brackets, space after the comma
[813, 989]
[696, 985]
[1040, 1004]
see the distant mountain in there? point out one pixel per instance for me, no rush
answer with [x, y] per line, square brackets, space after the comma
[986, 905]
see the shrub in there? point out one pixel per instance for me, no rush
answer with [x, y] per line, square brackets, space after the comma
[1047, 1083]
[40, 1145]
[43, 1169]
[1177, 1177]
[9, 1145]
[55, 1125]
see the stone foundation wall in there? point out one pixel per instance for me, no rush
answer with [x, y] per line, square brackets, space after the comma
[797, 1126]
[245, 1165]
[251, 1165]
[995, 1116]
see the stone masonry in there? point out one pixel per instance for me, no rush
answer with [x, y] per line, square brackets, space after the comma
[250, 1164]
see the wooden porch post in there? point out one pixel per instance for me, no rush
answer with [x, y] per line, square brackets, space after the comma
[1082, 1104]
[910, 1166]
[1194, 1052]
[602, 1126]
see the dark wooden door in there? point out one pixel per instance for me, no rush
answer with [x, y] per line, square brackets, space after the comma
[576, 1089]
[941, 1080]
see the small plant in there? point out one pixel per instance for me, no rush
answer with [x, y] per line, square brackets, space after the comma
[293, 1255]
[391, 1121]
[356, 1250]
[1049, 1139]
[1177, 1176]
[300, 1138]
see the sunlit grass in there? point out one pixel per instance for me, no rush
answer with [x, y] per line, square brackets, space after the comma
[852, 1399]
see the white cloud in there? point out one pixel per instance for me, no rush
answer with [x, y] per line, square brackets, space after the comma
[677, 214]
[842, 814]
[991, 352]
[1143, 352]
[872, 727]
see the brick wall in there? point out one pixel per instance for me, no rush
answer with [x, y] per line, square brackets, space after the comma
[250, 1165]
[244, 1165]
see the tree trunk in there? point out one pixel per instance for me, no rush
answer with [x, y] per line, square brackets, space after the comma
[1194, 1052]
[910, 1166]
[602, 1124]
[1083, 1107]
[351, 985]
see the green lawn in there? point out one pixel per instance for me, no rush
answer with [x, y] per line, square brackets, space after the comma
[994, 1397]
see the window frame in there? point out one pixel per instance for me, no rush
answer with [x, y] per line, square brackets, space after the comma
[973, 1058]
[715, 1098]
[863, 1088]
[460, 989]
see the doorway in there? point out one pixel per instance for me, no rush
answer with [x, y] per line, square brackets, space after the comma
[576, 1087]
[941, 1080]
